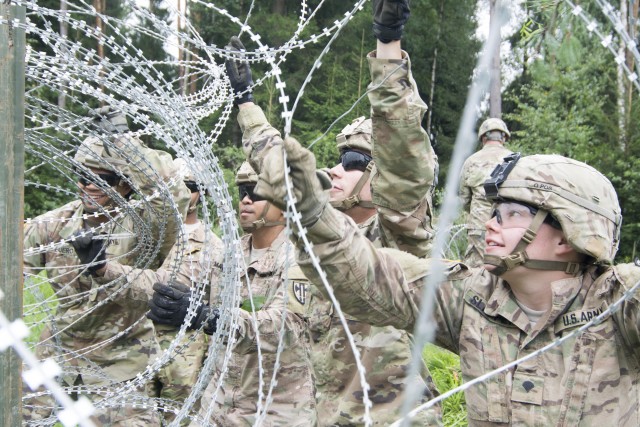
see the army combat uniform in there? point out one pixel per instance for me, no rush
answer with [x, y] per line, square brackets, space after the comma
[590, 379]
[293, 397]
[89, 315]
[176, 379]
[402, 185]
[475, 171]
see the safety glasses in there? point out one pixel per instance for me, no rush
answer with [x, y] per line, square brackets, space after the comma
[354, 160]
[192, 186]
[111, 179]
[247, 190]
[519, 215]
[513, 215]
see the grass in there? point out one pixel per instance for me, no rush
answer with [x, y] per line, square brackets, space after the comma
[36, 290]
[444, 367]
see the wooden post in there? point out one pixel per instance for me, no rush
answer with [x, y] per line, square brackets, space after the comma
[12, 51]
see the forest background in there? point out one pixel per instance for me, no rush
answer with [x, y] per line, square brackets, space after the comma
[565, 94]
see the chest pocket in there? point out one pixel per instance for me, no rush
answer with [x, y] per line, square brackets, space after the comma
[486, 401]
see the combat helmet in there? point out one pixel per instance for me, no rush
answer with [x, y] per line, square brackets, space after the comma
[495, 128]
[186, 174]
[356, 136]
[577, 196]
[246, 176]
[92, 153]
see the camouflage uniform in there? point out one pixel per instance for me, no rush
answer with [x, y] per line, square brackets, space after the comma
[401, 187]
[475, 171]
[88, 312]
[176, 379]
[293, 397]
[591, 379]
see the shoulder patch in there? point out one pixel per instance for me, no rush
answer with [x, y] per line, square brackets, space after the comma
[298, 288]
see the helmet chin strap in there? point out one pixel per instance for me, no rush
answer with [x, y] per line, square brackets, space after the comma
[261, 222]
[354, 199]
[519, 256]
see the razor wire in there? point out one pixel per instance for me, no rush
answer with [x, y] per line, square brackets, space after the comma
[162, 113]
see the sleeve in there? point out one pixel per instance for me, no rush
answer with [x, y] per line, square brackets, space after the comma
[33, 238]
[269, 319]
[406, 164]
[628, 316]
[142, 280]
[257, 135]
[146, 168]
[464, 191]
[380, 286]
[368, 284]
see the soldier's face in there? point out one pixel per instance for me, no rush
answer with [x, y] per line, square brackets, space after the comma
[507, 226]
[251, 211]
[344, 181]
[92, 196]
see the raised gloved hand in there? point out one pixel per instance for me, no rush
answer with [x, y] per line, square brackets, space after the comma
[308, 184]
[110, 119]
[239, 73]
[170, 303]
[389, 17]
[90, 251]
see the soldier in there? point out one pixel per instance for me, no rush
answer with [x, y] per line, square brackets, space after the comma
[493, 134]
[102, 340]
[175, 380]
[548, 271]
[269, 259]
[398, 215]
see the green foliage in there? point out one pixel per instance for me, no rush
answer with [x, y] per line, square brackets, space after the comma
[444, 368]
[37, 290]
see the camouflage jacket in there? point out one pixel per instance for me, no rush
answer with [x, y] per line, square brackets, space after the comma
[193, 266]
[475, 171]
[402, 186]
[590, 379]
[90, 313]
[189, 262]
[293, 397]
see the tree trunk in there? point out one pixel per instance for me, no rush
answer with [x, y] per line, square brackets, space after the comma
[632, 29]
[279, 7]
[495, 96]
[622, 83]
[434, 67]
[99, 5]
[64, 32]
[181, 65]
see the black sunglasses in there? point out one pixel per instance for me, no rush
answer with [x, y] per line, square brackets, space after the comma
[111, 179]
[247, 190]
[354, 160]
[192, 186]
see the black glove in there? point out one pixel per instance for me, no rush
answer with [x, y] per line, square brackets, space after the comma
[239, 73]
[389, 17]
[90, 251]
[170, 303]
[110, 119]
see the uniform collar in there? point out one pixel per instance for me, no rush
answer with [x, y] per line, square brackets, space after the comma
[272, 260]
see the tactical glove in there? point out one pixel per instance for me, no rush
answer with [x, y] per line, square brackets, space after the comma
[90, 251]
[389, 17]
[239, 72]
[308, 184]
[110, 119]
[170, 303]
